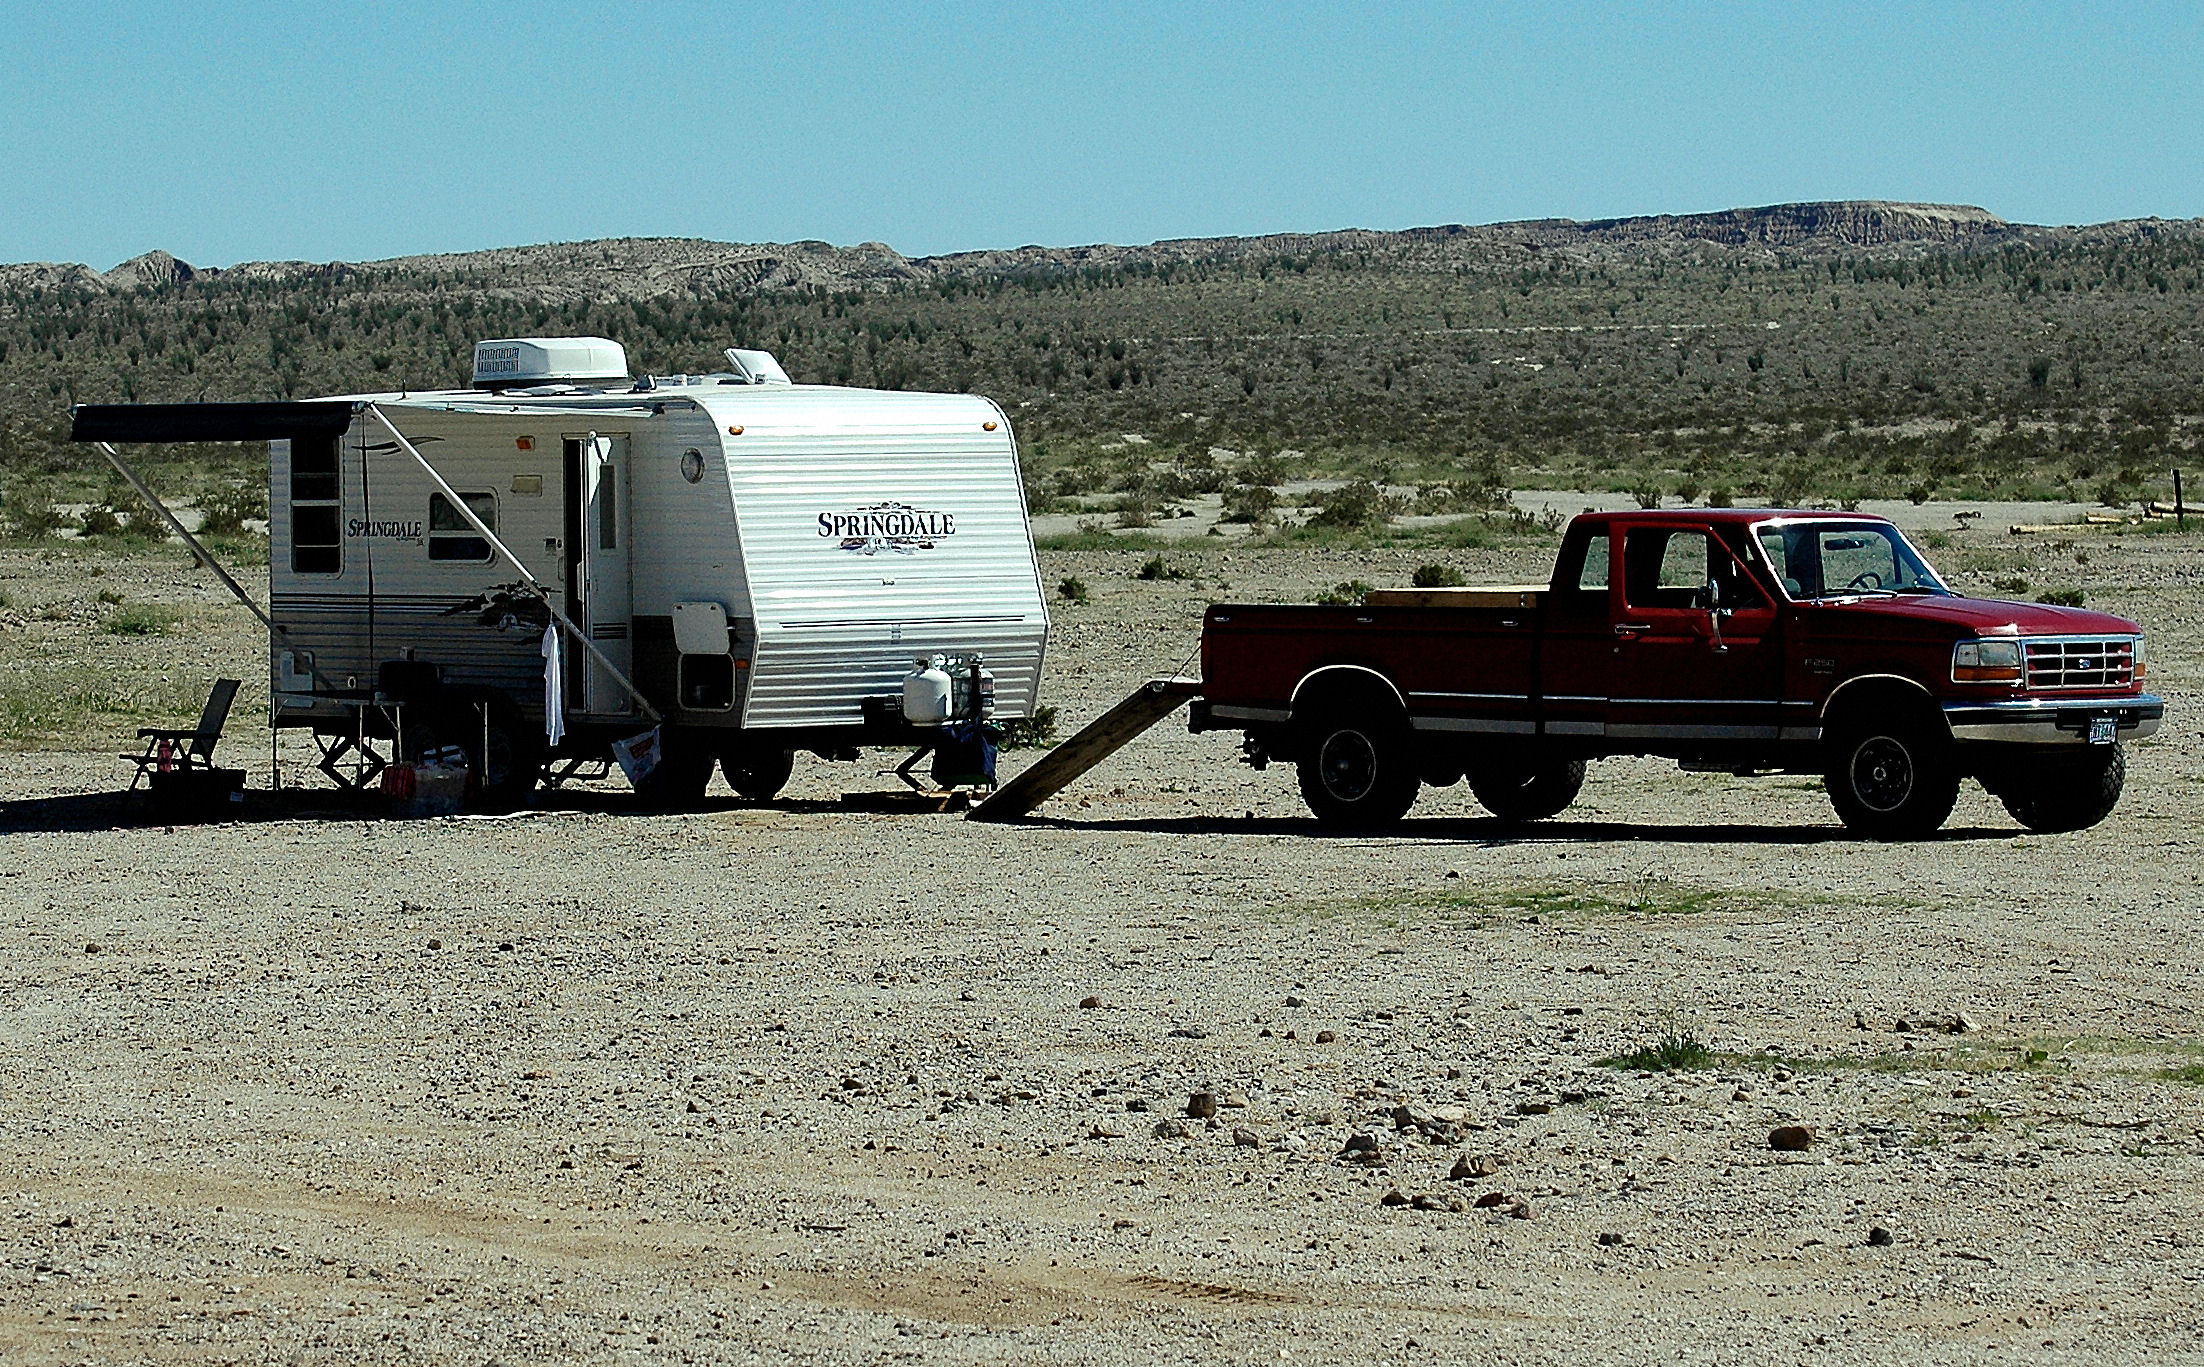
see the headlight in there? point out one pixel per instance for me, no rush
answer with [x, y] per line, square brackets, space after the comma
[2138, 659]
[1985, 662]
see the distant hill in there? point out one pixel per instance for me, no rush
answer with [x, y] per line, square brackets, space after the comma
[1845, 346]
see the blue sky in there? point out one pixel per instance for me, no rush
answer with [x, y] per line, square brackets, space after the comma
[248, 131]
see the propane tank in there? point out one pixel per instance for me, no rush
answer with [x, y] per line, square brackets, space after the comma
[926, 691]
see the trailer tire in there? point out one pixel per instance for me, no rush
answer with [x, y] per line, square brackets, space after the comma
[1527, 792]
[1891, 774]
[2067, 794]
[1357, 768]
[757, 774]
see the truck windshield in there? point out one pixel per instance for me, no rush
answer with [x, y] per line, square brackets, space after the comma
[1845, 559]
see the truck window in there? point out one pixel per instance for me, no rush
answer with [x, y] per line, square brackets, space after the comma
[450, 538]
[1664, 568]
[1580, 584]
[316, 546]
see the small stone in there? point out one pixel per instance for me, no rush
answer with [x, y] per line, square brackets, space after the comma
[1138, 1103]
[1740, 1095]
[1791, 1138]
[1295, 1001]
[1325, 1036]
[1171, 1129]
[1781, 1075]
[1361, 1142]
[1189, 1032]
[1235, 1100]
[1491, 1200]
[1880, 1237]
[505, 947]
[1522, 1210]
[1468, 1167]
[1609, 1239]
[695, 1109]
[1201, 1105]
[1534, 1108]
[1105, 1129]
[436, 944]
[1453, 873]
[1962, 1091]
[1089, 1003]
[1965, 1024]
[91, 949]
[1393, 1198]
[1245, 1138]
[1430, 1201]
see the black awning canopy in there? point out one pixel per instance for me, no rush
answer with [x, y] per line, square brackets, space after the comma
[209, 421]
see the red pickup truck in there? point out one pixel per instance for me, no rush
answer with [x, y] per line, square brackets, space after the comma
[1730, 640]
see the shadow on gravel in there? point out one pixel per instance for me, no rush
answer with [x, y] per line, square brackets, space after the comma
[80, 812]
[1493, 833]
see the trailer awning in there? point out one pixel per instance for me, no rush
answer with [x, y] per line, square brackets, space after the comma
[209, 421]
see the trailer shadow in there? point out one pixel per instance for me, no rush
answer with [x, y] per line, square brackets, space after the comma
[77, 813]
[1492, 833]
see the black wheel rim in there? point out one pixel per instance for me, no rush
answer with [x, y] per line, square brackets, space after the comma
[1882, 774]
[1348, 765]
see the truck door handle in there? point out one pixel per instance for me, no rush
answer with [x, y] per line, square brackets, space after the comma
[1632, 628]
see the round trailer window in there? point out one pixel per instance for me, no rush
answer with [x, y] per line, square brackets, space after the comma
[692, 465]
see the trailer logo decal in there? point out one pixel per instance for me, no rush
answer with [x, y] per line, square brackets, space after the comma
[391, 530]
[897, 528]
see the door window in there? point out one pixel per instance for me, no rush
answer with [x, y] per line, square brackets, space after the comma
[1670, 568]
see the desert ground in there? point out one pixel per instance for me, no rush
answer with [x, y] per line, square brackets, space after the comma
[797, 1082]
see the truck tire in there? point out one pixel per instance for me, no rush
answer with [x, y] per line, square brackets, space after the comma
[1527, 791]
[2067, 794]
[1891, 777]
[1357, 768]
[757, 774]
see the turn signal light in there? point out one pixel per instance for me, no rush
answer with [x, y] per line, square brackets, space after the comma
[987, 427]
[735, 431]
[1985, 662]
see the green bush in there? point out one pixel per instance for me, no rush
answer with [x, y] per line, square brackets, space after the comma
[2064, 598]
[1674, 1050]
[1344, 595]
[138, 619]
[1436, 577]
[1036, 732]
[1156, 567]
[1250, 503]
[1072, 590]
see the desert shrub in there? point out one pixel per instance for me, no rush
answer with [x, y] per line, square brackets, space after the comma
[2064, 598]
[99, 520]
[1036, 732]
[228, 508]
[1072, 590]
[1674, 1050]
[1436, 577]
[138, 619]
[1648, 493]
[31, 516]
[1250, 503]
[1358, 504]
[1156, 567]
[1344, 595]
[1136, 510]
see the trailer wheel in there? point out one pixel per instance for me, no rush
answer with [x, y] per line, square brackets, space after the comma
[1527, 791]
[1357, 767]
[757, 774]
[2067, 794]
[1891, 776]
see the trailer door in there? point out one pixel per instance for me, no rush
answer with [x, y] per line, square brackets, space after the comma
[598, 465]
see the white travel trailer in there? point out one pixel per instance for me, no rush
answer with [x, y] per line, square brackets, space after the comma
[749, 565]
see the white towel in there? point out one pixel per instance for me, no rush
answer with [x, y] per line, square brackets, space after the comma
[554, 686]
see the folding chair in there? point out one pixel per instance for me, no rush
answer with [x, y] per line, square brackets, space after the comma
[181, 763]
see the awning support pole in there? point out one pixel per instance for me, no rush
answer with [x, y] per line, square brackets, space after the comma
[481, 529]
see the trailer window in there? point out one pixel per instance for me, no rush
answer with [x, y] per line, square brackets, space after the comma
[316, 546]
[450, 538]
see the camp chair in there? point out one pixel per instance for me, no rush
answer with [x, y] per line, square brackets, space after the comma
[170, 754]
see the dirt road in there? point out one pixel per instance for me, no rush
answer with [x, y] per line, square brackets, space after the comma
[795, 1083]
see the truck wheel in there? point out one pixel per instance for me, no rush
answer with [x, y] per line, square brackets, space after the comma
[1527, 792]
[1356, 769]
[757, 774]
[2068, 794]
[1891, 779]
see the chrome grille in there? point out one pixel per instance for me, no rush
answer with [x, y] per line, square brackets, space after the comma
[2080, 661]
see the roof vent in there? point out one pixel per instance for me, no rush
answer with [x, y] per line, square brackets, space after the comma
[756, 367]
[517, 361]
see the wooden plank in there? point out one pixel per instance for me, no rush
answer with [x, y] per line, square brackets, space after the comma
[1101, 738]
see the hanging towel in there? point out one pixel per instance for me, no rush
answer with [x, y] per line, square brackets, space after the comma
[554, 686]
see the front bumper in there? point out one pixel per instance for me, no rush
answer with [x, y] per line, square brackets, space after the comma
[2054, 721]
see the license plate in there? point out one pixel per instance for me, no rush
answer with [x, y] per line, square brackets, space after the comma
[2104, 730]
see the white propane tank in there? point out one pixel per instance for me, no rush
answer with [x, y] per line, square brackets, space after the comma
[926, 692]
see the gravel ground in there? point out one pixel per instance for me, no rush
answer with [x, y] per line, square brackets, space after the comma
[797, 1083]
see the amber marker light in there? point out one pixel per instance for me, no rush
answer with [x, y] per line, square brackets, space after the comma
[987, 427]
[735, 431]
[525, 443]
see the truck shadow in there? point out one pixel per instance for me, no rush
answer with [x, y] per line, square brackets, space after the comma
[1494, 833]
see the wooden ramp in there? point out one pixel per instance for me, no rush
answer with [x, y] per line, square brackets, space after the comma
[1103, 737]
